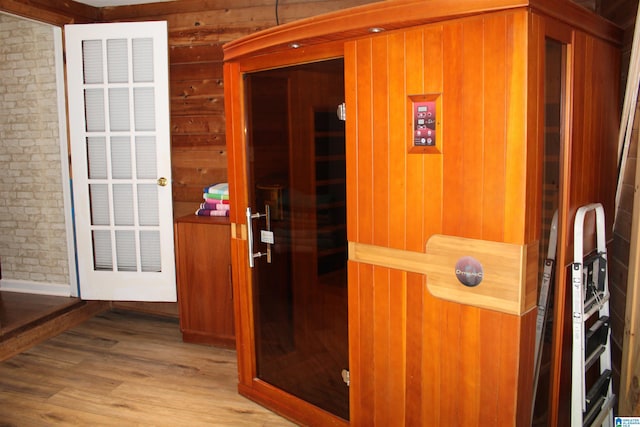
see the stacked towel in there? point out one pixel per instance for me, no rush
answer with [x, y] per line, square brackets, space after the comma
[216, 200]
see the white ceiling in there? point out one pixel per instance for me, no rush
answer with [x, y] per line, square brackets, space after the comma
[103, 3]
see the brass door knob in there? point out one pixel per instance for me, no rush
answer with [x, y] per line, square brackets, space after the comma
[162, 181]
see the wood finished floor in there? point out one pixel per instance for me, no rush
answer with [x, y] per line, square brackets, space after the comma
[125, 368]
[19, 311]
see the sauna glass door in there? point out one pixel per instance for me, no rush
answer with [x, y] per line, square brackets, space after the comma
[297, 211]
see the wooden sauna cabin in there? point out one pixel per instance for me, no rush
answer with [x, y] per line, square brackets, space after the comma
[386, 266]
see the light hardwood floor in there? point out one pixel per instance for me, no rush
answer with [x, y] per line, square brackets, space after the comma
[125, 368]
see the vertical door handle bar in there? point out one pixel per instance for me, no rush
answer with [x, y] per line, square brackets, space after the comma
[267, 210]
[250, 218]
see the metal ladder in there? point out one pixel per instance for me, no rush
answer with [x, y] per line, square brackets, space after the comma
[591, 348]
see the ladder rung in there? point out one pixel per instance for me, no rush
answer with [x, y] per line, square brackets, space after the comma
[591, 359]
[591, 414]
[597, 334]
[599, 389]
[605, 410]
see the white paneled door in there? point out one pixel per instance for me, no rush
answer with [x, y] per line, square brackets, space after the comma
[117, 78]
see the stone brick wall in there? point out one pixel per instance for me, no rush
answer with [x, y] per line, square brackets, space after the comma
[33, 245]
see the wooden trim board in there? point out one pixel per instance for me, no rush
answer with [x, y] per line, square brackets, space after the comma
[506, 285]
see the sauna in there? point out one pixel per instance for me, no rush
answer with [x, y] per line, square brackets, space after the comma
[394, 169]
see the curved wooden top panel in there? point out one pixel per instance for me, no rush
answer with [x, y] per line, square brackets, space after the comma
[394, 14]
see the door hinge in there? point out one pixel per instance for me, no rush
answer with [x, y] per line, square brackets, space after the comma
[346, 377]
[342, 112]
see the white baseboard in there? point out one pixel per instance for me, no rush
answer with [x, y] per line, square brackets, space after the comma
[39, 288]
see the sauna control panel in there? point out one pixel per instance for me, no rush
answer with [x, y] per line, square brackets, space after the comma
[424, 123]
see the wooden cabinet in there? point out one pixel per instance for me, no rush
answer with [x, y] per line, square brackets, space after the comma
[203, 266]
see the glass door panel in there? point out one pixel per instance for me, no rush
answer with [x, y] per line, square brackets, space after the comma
[296, 172]
[554, 96]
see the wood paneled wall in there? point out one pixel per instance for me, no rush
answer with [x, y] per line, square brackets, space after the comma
[441, 361]
[197, 31]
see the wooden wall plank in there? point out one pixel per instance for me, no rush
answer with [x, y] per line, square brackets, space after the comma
[490, 362]
[451, 358]
[195, 52]
[382, 351]
[494, 160]
[433, 164]
[397, 187]
[471, 368]
[195, 72]
[196, 125]
[197, 88]
[511, 332]
[453, 207]
[472, 192]
[414, 60]
[429, 350]
[189, 106]
[380, 144]
[517, 166]
[351, 134]
[397, 302]
[368, 376]
[364, 150]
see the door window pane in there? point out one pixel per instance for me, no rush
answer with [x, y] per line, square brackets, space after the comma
[144, 106]
[146, 163]
[150, 250]
[148, 204]
[117, 61]
[123, 204]
[99, 197]
[102, 258]
[119, 109]
[94, 107]
[142, 60]
[92, 61]
[121, 157]
[97, 157]
[126, 250]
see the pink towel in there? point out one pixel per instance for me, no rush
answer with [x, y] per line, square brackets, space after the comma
[215, 206]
